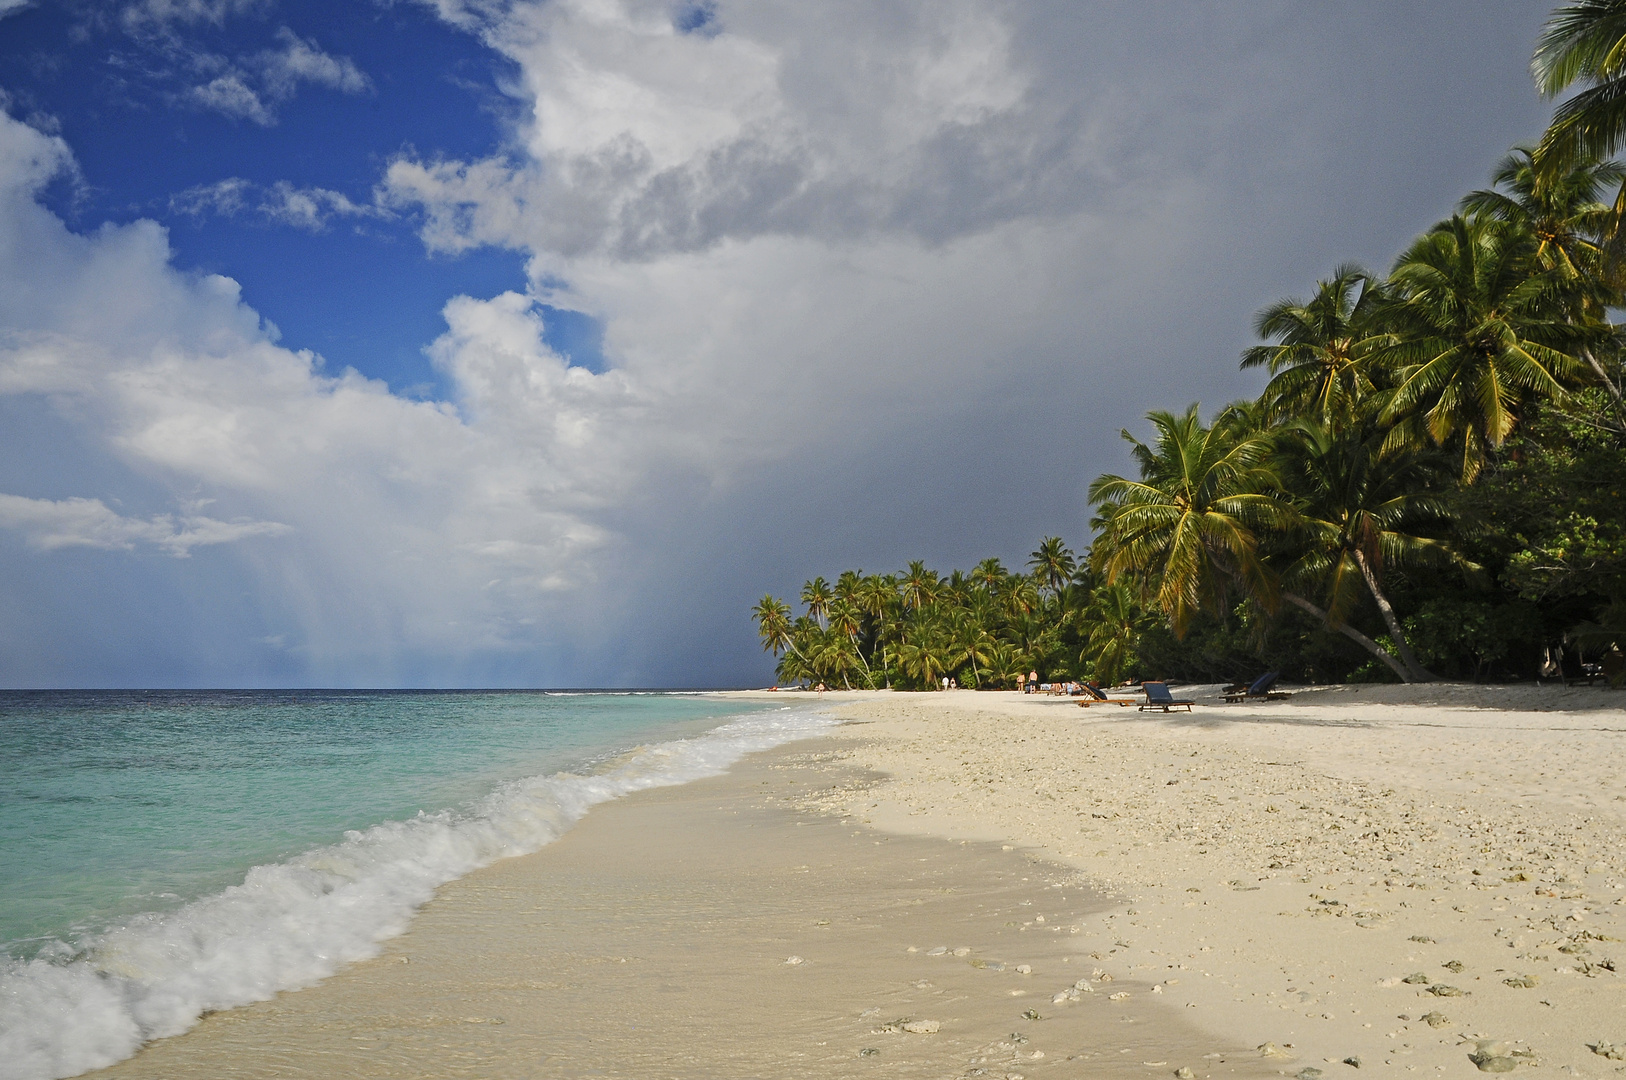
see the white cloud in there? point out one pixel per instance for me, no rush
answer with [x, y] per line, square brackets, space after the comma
[410, 526]
[253, 87]
[159, 16]
[645, 139]
[9, 6]
[231, 94]
[50, 524]
[310, 208]
[300, 60]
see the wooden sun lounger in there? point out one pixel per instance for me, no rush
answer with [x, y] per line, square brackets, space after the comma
[1158, 697]
[1092, 696]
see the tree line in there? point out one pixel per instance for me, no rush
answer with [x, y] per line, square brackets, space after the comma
[1428, 486]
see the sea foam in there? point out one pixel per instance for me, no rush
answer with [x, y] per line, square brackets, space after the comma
[293, 923]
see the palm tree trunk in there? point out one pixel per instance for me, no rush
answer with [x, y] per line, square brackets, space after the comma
[1409, 658]
[1603, 377]
[1353, 634]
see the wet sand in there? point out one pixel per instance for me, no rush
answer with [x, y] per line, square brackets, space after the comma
[732, 927]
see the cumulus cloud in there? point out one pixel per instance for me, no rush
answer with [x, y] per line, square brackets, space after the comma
[647, 139]
[404, 526]
[310, 208]
[49, 524]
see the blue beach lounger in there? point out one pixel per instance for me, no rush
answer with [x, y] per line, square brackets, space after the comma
[1260, 689]
[1158, 697]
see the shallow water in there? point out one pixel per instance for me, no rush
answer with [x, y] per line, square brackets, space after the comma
[166, 854]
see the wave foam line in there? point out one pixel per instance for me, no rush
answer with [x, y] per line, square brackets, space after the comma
[293, 923]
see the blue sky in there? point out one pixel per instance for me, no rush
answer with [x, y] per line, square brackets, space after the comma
[597, 319]
[361, 291]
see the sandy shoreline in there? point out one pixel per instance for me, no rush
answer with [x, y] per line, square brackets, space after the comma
[1295, 862]
[1212, 882]
[723, 929]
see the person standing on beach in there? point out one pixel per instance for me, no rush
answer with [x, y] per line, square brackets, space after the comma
[1033, 682]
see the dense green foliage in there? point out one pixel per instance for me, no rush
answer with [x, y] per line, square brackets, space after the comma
[1430, 484]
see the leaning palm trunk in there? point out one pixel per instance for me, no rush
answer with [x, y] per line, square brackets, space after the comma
[1609, 384]
[1418, 672]
[1353, 634]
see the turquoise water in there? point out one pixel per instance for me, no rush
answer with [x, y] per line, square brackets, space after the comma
[166, 853]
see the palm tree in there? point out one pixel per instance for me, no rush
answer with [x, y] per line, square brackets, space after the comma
[833, 656]
[1583, 42]
[1479, 328]
[848, 585]
[1564, 215]
[772, 616]
[1052, 564]
[847, 619]
[1021, 596]
[1572, 230]
[793, 667]
[816, 597]
[1116, 622]
[1358, 502]
[989, 574]
[1186, 527]
[1007, 664]
[1319, 364]
[877, 596]
[970, 643]
[923, 654]
[919, 586]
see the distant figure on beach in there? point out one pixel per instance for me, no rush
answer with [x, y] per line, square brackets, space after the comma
[1033, 682]
[954, 684]
[945, 683]
[820, 688]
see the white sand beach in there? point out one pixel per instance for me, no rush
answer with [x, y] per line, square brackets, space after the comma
[1402, 875]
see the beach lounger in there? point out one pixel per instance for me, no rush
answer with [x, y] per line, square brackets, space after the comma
[1260, 689]
[1158, 697]
[1092, 696]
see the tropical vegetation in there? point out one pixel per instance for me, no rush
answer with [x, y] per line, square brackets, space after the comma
[1429, 484]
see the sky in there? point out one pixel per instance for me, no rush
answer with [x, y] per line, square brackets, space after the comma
[530, 342]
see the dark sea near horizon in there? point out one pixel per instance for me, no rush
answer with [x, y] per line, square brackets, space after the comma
[166, 853]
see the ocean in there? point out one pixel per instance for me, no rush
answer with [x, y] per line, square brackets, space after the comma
[164, 854]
